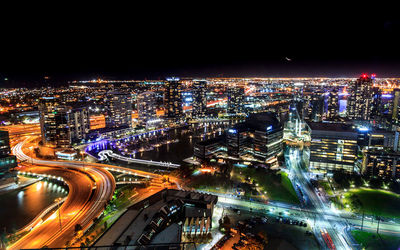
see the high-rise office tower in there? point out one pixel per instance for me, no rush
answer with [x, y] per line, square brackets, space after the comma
[235, 100]
[146, 105]
[173, 98]
[199, 99]
[119, 110]
[360, 101]
[333, 147]
[333, 104]
[300, 104]
[315, 107]
[380, 111]
[260, 135]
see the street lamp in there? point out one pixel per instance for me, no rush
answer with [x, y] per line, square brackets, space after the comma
[58, 200]
[83, 162]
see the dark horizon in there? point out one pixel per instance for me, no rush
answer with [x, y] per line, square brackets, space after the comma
[199, 44]
[241, 70]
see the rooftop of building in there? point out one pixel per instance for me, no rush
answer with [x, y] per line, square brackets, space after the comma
[240, 127]
[334, 127]
[381, 131]
[210, 141]
[3, 133]
[383, 151]
[262, 121]
[138, 217]
[146, 93]
[107, 129]
[171, 234]
[259, 121]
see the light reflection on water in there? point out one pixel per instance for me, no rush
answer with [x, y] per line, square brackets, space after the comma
[19, 207]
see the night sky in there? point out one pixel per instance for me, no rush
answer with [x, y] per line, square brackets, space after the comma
[149, 44]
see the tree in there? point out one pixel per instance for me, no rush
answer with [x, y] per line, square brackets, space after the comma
[127, 240]
[226, 224]
[78, 228]
[376, 182]
[356, 204]
[3, 240]
[340, 178]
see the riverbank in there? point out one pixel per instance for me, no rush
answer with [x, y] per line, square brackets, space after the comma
[22, 183]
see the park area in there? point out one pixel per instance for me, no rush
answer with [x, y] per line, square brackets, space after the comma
[257, 183]
[275, 185]
[376, 241]
[373, 201]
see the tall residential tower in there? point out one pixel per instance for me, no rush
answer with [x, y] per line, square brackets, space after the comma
[146, 105]
[199, 99]
[173, 98]
[119, 110]
[360, 101]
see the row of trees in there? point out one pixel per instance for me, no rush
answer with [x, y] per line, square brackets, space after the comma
[347, 180]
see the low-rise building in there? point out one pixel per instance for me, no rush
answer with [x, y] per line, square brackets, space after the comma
[381, 162]
[7, 161]
[143, 221]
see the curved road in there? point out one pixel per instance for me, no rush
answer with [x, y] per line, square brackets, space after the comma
[89, 192]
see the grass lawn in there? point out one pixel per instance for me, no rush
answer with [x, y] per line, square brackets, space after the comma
[374, 241]
[377, 202]
[325, 185]
[277, 186]
[211, 183]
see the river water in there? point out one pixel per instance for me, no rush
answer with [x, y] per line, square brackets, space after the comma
[174, 152]
[19, 207]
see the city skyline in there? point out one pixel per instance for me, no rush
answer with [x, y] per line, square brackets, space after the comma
[256, 127]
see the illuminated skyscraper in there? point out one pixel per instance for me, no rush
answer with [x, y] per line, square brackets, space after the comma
[199, 99]
[78, 121]
[333, 147]
[235, 100]
[48, 108]
[315, 107]
[381, 106]
[61, 126]
[173, 98]
[396, 106]
[333, 104]
[360, 101]
[119, 110]
[260, 135]
[146, 105]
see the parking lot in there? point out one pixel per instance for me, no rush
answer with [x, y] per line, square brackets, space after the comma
[282, 232]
